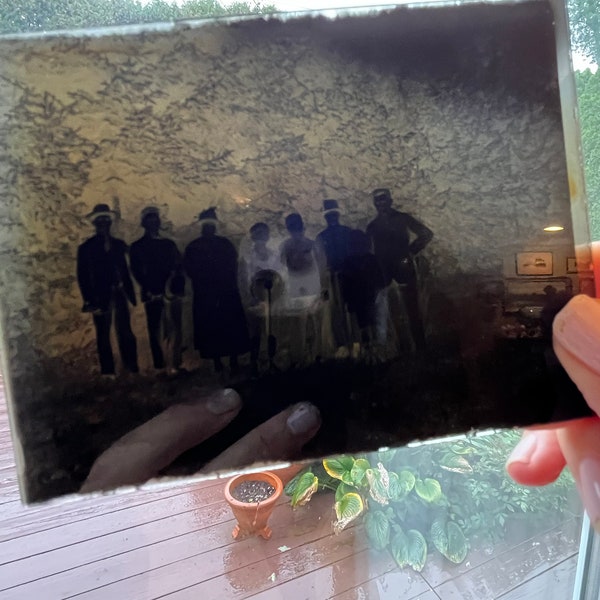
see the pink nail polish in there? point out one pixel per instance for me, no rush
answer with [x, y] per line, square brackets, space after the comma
[589, 479]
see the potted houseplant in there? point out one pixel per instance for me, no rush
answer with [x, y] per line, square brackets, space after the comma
[252, 498]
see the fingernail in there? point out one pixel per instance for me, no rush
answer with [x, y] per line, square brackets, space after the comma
[577, 329]
[303, 419]
[523, 452]
[223, 401]
[589, 479]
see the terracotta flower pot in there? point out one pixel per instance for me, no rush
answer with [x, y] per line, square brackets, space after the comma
[252, 517]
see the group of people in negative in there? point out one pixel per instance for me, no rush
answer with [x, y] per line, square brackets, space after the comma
[341, 282]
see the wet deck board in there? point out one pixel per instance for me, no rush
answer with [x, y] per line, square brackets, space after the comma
[95, 565]
[18, 521]
[395, 585]
[516, 566]
[556, 582]
[172, 542]
[332, 579]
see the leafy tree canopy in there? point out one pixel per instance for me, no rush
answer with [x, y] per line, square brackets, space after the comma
[584, 19]
[48, 15]
[588, 91]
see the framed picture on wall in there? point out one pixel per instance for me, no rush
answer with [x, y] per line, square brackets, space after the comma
[571, 264]
[534, 263]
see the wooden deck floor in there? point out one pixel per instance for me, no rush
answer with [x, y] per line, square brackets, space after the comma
[176, 544]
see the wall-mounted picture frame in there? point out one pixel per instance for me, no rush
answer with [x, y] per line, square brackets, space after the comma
[534, 263]
[571, 264]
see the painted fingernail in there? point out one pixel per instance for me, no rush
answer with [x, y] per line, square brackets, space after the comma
[589, 478]
[223, 401]
[304, 418]
[577, 329]
[523, 452]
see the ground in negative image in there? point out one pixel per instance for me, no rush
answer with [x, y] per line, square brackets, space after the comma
[345, 211]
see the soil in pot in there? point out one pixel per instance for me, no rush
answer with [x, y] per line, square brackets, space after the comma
[253, 491]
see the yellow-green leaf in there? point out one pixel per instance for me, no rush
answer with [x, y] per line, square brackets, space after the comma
[307, 485]
[358, 470]
[439, 536]
[429, 489]
[417, 550]
[290, 487]
[399, 549]
[401, 484]
[336, 467]
[377, 526]
[342, 490]
[457, 543]
[348, 508]
[409, 549]
[455, 463]
[450, 540]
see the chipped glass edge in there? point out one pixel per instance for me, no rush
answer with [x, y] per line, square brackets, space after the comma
[574, 162]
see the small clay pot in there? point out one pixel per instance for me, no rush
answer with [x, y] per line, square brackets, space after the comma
[252, 517]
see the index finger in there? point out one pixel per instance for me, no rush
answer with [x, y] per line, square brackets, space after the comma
[279, 438]
[144, 451]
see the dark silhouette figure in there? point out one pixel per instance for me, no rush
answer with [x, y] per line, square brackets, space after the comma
[157, 266]
[334, 241]
[211, 263]
[554, 301]
[362, 280]
[106, 288]
[391, 233]
[335, 238]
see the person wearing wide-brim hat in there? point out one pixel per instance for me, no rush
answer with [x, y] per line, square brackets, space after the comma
[397, 238]
[220, 327]
[107, 288]
[157, 266]
[101, 211]
[208, 217]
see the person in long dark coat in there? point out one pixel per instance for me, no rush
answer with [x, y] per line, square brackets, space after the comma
[157, 267]
[220, 327]
[362, 280]
[106, 288]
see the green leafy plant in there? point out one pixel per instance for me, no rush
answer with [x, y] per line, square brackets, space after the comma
[390, 501]
[443, 496]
